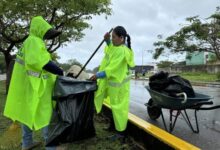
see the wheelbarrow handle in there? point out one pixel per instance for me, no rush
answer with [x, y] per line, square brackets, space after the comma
[184, 95]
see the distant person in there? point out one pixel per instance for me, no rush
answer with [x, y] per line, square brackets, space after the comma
[136, 74]
[114, 79]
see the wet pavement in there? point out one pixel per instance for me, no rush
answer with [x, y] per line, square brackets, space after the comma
[209, 120]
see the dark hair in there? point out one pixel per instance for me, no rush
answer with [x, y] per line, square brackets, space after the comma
[120, 31]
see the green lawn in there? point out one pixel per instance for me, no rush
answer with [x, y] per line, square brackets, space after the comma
[192, 76]
[200, 76]
[4, 122]
[97, 143]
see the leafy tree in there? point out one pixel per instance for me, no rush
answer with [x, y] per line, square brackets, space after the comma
[96, 69]
[181, 63]
[212, 59]
[69, 63]
[74, 62]
[70, 16]
[201, 35]
[89, 71]
[164, 64]
[55, 57]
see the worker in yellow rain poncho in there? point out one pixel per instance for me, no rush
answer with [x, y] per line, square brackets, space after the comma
[29, 99]
[114, 79]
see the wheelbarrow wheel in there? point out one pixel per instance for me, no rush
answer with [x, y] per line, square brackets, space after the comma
[153, 111]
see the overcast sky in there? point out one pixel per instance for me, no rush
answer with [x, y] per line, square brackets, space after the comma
[143, 20]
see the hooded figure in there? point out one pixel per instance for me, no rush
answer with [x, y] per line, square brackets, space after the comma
[29, 98]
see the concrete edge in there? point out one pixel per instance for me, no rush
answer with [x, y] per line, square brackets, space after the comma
[153, 137]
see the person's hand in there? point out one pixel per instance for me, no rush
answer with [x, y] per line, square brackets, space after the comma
[93, 78]
[107, 36]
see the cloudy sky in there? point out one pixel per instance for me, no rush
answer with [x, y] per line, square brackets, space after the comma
[143, 20]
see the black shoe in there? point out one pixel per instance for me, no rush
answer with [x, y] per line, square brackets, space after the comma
[33, 145]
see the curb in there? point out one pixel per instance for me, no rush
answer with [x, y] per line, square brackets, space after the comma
[149, 136]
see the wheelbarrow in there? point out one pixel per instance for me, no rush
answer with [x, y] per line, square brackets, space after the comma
[177, 106]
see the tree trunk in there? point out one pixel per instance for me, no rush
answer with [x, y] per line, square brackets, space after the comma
[9, 60]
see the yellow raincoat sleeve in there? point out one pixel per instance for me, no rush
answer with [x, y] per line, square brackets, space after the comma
[36, 55]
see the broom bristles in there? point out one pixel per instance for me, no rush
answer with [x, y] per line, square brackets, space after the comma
[11, 138]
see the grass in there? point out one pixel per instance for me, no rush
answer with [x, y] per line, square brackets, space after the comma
[199, 76]
[99, 142]
[194, 76]
[4, 122]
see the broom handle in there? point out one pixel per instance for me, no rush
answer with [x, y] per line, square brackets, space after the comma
[92, 56]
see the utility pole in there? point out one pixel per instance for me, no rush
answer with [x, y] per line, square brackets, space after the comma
[142, 62]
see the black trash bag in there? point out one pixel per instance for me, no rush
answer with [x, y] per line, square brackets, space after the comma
[72, 118]
[178, 84]
[159, 81]
[170, 85]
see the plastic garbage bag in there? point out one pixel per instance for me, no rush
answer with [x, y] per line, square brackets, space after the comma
[170, 85]
[72, 118]
[178, 84]
[159, 81]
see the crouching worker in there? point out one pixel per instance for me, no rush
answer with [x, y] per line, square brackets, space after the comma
[29, 99]
[114, 79]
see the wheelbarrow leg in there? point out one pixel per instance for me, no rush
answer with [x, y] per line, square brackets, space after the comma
[164, 123]
[172, 124]
[186, 118]
[171, 120]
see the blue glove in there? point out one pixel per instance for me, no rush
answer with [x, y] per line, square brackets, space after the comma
[101, 74]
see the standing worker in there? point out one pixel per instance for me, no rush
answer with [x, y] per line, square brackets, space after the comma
[114, 79]
[29, 99]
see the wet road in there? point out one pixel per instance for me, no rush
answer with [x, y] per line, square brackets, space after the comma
[209, 120]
